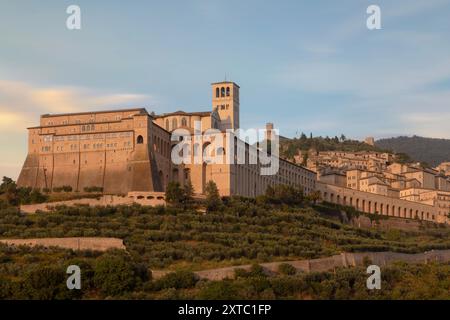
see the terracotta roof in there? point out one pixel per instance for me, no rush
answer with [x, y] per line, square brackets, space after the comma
[226, 82]
[183, 113]
[333, 173]
[377, 183]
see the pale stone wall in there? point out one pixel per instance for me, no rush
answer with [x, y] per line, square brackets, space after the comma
[333, 178]
[329, 263]
[142, 198]
[387, 224]
[238, 179]
[374, 203]
[427, 180]
[180, 119]
[112, 150]
[97, 244]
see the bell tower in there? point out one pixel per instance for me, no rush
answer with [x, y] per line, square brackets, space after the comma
[225, 99]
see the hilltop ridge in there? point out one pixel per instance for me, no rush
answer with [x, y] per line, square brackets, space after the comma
[432, 151]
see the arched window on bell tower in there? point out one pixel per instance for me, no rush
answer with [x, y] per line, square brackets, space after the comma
[225, 101]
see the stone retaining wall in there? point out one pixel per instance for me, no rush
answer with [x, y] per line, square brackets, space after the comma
[329, 263]
[387, 224]
[378, 204]
[142, 198]
[97, 244]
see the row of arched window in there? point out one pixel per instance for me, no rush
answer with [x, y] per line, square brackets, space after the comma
[161, 146]
[184, 123]
[222, 92]
[88, 127]
[377, 208]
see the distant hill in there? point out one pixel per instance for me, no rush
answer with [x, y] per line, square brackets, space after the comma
[430, 150]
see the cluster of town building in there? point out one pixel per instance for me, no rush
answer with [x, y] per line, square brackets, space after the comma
[384, 185]
[324, 161]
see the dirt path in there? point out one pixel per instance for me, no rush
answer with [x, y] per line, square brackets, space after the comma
[325, 264]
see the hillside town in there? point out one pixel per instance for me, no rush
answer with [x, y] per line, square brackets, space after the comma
[381, 179]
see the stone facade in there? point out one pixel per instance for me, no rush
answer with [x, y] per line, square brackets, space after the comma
[321, 162]
[444, 168]
[122, 151]
[408, 182]
[380, 204]
[142, 198]
[109, 150]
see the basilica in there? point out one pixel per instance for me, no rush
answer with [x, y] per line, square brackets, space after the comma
[122, 151]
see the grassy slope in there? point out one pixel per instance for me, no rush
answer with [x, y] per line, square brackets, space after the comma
[243, 233]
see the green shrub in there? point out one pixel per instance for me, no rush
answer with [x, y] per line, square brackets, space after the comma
[114, 274]
[174, 193]
[45, 283]
[37, 197]
[177, 280]
[67, 188]
[62, 189]
[287, 269]
[7, 289]
[93, 189]
[219, 290]
[283, 194]
[213, 200]
[255, 271]
[240, 273]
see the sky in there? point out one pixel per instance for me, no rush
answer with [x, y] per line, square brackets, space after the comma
[306, 66]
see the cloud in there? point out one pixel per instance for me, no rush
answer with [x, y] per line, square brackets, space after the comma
[412, 8]
[11, 170]
[356, 59]
[363, 78]
[395, 80]
[427, 115]
[10, 121]
[22, 103]
[424, 113]
[424, 124]
[322, 49]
